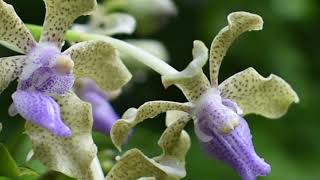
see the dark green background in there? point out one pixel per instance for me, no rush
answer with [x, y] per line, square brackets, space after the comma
[288, 46]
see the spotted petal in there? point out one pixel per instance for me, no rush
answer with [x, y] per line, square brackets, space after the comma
[191, 80]
[134, 165]
[60, 15]
[269, 97]
[71, 156]
[99, 61]
[238, 23]
[170, 165]
[10, 69]
[13, 33]
[133, 116]
[41, 110]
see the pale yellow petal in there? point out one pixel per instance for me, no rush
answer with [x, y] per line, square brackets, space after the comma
[10, 69]
[238, 23]
[133, 116]
[269, 97]
[13, 33]
[175, 144]
[60, 15]
[99, 61]
[192, 82]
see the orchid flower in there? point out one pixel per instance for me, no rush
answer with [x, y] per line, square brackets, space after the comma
[45, 78]
[217, 110]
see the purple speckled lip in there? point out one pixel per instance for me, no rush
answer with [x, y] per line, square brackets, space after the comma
[104, 115]
[38, 82]
[235, 147]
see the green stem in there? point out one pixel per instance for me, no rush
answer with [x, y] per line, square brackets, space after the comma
[138, 54]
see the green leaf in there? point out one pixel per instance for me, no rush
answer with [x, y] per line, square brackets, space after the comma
[8, 166]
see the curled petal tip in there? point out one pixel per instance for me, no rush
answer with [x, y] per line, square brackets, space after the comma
[252, 22]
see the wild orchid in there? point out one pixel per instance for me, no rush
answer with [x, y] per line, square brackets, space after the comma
[217, 111]
[59, 123]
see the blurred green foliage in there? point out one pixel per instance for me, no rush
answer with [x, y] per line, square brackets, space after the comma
[288, 46]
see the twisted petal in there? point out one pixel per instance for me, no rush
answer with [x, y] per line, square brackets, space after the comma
[134, 116]
[10, 69]
[99, 61]
[41, 110]
[236, 149]
[71, 156]
[174, 115]
[238, 23]
[13, 33]
[269, 97]
[175, 142]
[133, 165]
[191, 80]
[170, 165]
[60, 15]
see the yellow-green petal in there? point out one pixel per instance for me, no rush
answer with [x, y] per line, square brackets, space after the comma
[174, 115]
[10, 69]
[238, 23]
[99, 61]
[175, 144]
[192, 82]
[71, 156]
[13, 33]
[133, 165]
[60, 15]
[133, 116]
[269, 97]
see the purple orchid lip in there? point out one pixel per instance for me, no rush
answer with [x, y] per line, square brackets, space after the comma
[47, 73]
[234, 147]
[41, 110]
[104, 116]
